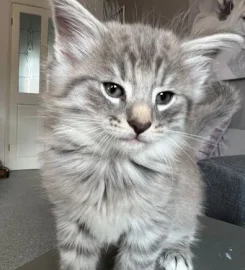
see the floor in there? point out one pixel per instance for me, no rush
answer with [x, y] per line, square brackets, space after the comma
[26, 223]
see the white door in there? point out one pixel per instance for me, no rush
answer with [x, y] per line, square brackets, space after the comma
[32, 35]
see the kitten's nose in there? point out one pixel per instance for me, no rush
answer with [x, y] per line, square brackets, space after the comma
[138, 126]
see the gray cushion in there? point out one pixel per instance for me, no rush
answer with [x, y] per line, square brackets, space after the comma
[225, 188]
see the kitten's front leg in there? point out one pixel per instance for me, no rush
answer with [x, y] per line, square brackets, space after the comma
[79, 249]
[139, 250]
[175, 260]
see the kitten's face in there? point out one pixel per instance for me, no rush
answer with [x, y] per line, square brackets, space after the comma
[121, 87]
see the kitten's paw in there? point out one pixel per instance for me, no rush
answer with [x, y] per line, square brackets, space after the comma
[174, 261]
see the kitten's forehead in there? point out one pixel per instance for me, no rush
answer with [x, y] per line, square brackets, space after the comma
[142, 53]
[143, 37]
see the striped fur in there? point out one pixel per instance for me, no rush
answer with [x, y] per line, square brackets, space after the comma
[107, 188]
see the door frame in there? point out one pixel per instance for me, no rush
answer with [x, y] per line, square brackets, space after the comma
[24, 7]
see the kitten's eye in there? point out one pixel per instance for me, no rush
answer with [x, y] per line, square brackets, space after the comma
[114, 90]
[164, 98]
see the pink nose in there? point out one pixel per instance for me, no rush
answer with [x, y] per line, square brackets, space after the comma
[138, 126]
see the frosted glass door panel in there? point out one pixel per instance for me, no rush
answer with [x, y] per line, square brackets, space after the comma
[29, 53]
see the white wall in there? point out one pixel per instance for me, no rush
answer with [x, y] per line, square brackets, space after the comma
[4, 66]
[5, 34]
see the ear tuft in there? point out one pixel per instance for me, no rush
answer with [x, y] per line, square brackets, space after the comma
[77, 30]
[212, 44]
[198, 54]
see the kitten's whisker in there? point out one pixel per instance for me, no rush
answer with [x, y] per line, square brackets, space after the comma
[186, 144]
[103, 134]
[199, 140]
[189, 134]
[91, 131]
[79, 118]
[60, 118]
[171, 167]
[182, 149]
[97, 147]
[105, 142]
[101, 142]
[62, 130]
[97, 135]
[109, 139]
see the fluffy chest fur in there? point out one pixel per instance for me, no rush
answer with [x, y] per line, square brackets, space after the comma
[113, 196]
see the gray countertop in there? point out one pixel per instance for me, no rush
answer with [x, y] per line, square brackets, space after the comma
[221, 247]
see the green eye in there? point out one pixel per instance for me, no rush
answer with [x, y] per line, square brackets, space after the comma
[164, 98]
[114, 90]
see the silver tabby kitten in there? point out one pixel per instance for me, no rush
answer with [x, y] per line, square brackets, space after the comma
[119, 163]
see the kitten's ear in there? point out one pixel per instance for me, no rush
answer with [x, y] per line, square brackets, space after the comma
[77, 30]
[201, 52]
[211, 45]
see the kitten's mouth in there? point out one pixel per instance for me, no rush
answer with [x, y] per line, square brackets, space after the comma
[134, 140]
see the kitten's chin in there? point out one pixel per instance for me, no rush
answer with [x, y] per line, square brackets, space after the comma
[131, 145]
